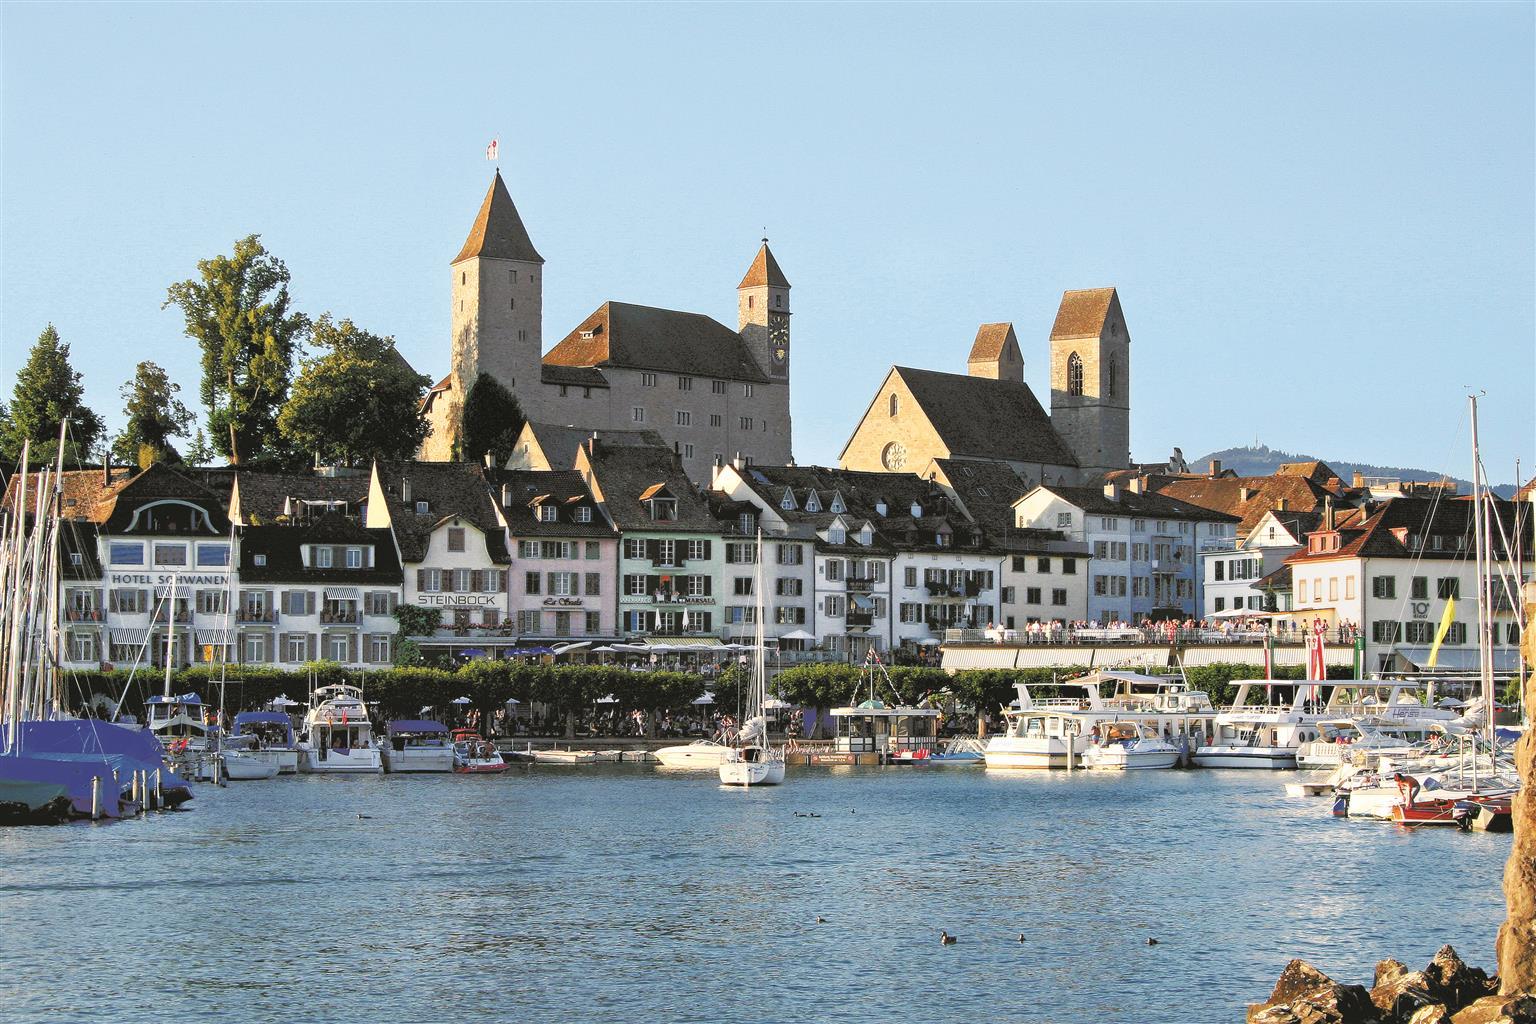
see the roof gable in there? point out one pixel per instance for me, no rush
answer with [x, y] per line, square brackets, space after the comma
[991, 341]
[979, 417]
[647, 338]
[1083, 313]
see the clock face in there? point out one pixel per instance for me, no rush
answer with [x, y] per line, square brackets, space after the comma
[778, 340]
[894, 456]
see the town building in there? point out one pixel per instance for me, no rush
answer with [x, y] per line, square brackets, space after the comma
[990, 414]
[713, 391]
[1143, 546]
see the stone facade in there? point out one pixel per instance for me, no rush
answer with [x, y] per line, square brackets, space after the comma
[1091, 380]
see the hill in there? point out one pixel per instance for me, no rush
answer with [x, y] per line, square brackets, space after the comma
[1262, 460]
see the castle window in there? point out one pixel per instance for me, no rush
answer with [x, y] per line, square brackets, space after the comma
[716, 420]
[1074, 375]
[647, 380]
[512, 276]
[684, 418]
[563, 391]
[746, 391]
[511, 303]
[749, 302]
[685, 383]
[717, 386]
[895, 404]
[1111, 377]
[638, 414]
[746, 423]
[778, 300]
[463, 277]
[687, 451]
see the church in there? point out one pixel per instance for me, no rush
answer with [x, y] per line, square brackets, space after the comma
[988, 413]
[711, 392]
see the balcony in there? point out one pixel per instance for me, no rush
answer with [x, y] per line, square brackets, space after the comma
[256, 616]
[339, 618]
[82, 614]
[182, 617]
[861, 584]
[860, 620]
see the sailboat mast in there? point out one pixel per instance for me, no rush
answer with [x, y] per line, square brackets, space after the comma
[170, 633]
[1480, 541]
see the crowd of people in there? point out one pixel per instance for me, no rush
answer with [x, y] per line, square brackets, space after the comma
[1235, 629]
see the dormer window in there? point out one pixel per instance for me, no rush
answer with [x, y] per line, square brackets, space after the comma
[663, 510]
[746, 523]
[787, 502]
[837, 535]
[881, 508]
[258, 560]
[866, 536]
[322, 558]
[456, 538]
[837, 507]
[812, 503]
[422, 508]
[917, 511]
[546, 513]
[583, 514]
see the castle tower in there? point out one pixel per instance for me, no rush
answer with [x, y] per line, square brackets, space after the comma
[762, 310]
[995, 354]
[1091, 379]
[498, 304]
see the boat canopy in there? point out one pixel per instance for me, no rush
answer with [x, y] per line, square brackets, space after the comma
[186, 698]
[415, 725]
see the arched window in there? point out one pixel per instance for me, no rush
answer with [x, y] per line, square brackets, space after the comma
[1112, 378]
[895, 404]
[1074, 375]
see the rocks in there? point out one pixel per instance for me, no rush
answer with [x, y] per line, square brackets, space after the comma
[1446, 991]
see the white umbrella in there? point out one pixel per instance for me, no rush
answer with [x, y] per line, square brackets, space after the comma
[513, 702]
[775, 704]
[706, 698]
[604, 650]
[798, 634]
[461, 700]
[282, 701]
[610, 699]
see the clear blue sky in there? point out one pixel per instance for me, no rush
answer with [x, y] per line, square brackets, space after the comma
[1319, 217]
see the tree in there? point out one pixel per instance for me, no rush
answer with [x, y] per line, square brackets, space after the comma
[358, 400]
[237, 310]
[48, 391]
[155, 415]
[492, 420]
[200, 453]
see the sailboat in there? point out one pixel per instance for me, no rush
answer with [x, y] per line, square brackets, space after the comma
[751, 761]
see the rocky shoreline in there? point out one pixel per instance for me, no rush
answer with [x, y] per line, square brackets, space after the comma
[1447, 991]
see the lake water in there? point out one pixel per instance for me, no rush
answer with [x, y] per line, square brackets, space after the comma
[566, 894]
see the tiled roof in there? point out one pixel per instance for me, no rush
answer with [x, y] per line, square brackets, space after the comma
[1316, 471]
[1082, 313]
[984, 418]
[764, 271]
[1094, 501]
[1388, 530]
[646, 338]
[562, 488]
[1526, 490]
[583, 376]
[991, 339]
[622, 473]
[498, 231]
[263, 497]
[84, 492]
[1225, 494]
[988, 490]
[158, 482]
[449, 489]
[282, 546]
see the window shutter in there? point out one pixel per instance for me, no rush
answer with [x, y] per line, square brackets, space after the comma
[653, 550]
[708, 585]
[476, 581]
[707, 548]
[708, 620]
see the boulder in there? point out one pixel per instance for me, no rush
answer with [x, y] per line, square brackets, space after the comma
[1452, 982]
[1305, 995]
[1398, 992]
[1434, 1013]
[1499, 1009]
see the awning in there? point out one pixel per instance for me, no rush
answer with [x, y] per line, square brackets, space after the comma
[130, 637]
[343, 594]
[181, 591]
[861, 601]
[1459, 659]
[218, 637]
[798, 634]
[700, 642]
[978, 657]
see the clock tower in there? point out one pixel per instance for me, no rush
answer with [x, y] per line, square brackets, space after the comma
[762, 307]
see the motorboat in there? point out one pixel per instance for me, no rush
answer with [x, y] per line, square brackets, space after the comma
[473, 754]
[555, 755]
[272, 733]
[179, 722]
[242, 760]
[752, 760]
[337, 734]
[700, 754]
[957, 753]
[1128, 746]
[417, 745]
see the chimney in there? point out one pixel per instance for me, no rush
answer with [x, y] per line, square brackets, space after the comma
[592, 445]
[1215, 467]
[490, 460]
[738, 462]
[1328, 514]
[1282, 504]
[1136, 484]
[719, 461]
[1358, 480]
[1112, 491]
[1245, 493]
[1334, 483]
[506, 495]
[405, 490]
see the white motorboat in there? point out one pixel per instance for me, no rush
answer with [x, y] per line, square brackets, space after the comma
[337, 734]
[557, 756]
[752, 760]
[1362, 741]
[244, 762]
[700, 754]
[417, 745]
[1128, 746]
[473, 754]
[271, 732]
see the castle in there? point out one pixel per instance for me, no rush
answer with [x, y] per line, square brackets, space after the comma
[711, 392]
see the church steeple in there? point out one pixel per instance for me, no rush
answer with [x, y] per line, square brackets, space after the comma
[764, 271]
[762, 311]
[498, 232]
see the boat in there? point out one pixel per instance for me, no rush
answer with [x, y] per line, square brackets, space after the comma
[473, 754]
[337, 734]
[567, 756]
[272, 732]
[1357, 740]
[700, 754]
[1128, 746]
[895, 733]
[179, 722]
[242, 760]
[961, 752]
[417, 745]
[752, 760]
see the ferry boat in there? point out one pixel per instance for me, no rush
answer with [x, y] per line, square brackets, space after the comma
[337, 735]
[1269, 735]
[1055, 732]
[417, 745]
[473, 754]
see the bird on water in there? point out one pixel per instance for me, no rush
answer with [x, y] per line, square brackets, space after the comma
[946, 939]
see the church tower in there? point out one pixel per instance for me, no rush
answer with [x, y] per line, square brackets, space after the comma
[762, 312]
[498, 306]
[1091, 379]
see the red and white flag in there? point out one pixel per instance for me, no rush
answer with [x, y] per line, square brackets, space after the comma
[491, 150]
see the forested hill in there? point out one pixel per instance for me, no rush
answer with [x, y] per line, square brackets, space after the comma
[1263, 460]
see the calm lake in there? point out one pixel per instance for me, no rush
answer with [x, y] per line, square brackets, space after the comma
[567, 894]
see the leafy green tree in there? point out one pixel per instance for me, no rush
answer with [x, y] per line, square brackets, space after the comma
[48, 391]
[492, 420]
[358, 400]
[200, 452]
[238, 311]
[155, 415]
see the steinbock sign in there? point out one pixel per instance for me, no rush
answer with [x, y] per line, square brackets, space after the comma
[457, 600]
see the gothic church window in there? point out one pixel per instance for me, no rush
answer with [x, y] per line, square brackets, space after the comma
[895, 404]
[1112, 378]
[1074, 375]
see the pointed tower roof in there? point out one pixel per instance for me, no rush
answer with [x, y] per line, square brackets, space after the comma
[498, 232]
[764, 271]
[1083, 313]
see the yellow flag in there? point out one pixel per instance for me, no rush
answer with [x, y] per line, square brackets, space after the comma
[1445, 627]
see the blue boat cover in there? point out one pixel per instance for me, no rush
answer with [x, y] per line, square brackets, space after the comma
[186, 698]
[74, 751]
[406, 725]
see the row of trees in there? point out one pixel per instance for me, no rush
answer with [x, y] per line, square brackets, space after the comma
[278, 387]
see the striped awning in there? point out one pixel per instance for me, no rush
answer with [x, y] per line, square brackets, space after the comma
[978, 657]
[130, 637]
[683, 641]
[181, 591]
[218, 637]
[343, 594]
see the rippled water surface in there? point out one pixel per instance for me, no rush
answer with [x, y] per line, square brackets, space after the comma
[563, 894]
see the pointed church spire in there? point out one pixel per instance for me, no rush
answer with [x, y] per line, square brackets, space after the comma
[498, 232]
[764, 271]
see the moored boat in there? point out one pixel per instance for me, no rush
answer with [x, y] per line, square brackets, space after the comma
[700, 754]
[270, 732]
[473, 754]
[1128, 746]
[337, 734]
[417, 745]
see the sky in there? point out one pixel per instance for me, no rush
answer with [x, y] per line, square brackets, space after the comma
[1319, 217]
